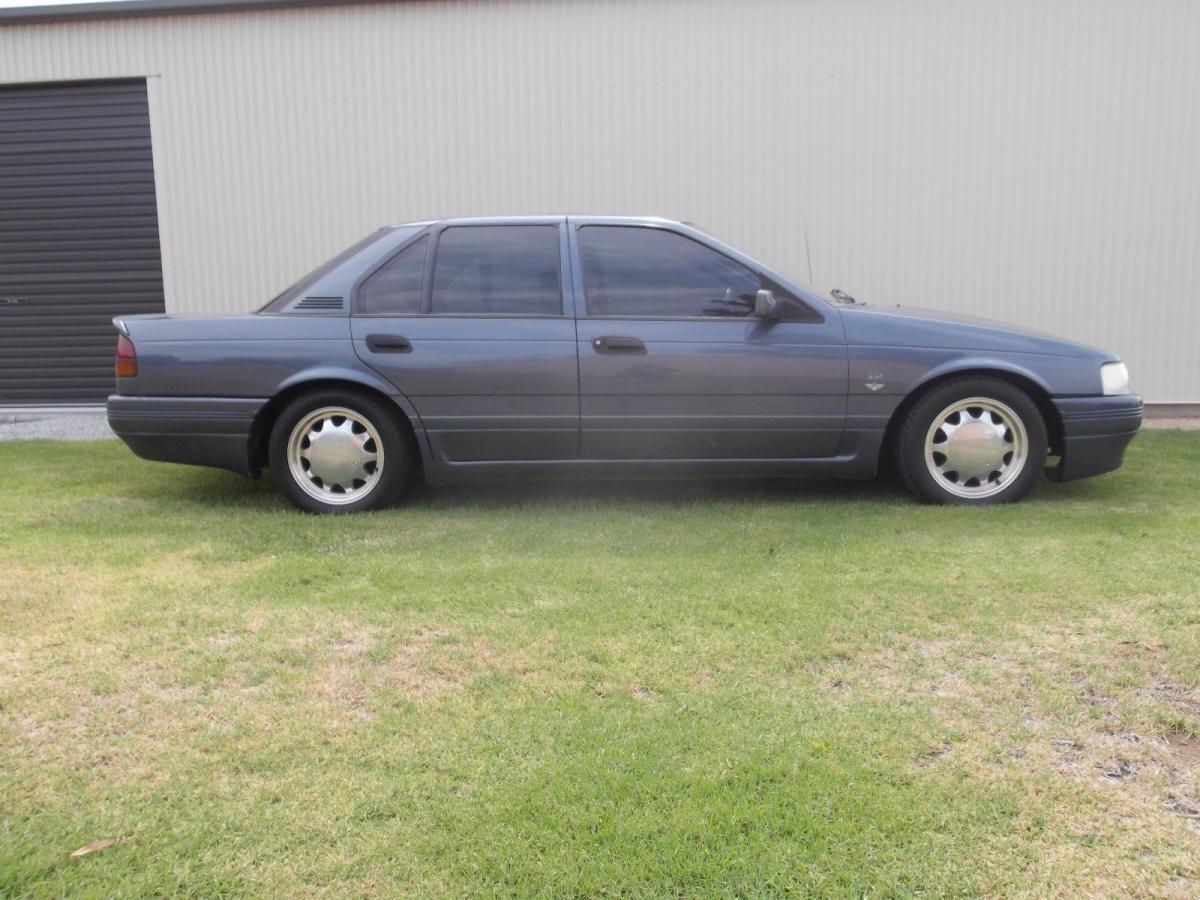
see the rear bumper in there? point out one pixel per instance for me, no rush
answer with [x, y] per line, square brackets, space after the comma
[197, 431]
[1096, 431]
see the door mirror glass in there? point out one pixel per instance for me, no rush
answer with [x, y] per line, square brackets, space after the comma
[767, 306]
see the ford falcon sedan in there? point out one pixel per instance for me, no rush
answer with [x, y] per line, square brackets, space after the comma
[552, 346]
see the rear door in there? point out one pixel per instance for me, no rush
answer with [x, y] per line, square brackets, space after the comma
[674, 365]
[472, 323]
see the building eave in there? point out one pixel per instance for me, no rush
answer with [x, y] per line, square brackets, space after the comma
[128, 9]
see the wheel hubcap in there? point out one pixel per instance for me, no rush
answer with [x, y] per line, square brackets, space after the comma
[335, 455]
[976, 447]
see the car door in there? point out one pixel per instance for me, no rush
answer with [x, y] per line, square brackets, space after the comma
[472, 324]
[673, 364]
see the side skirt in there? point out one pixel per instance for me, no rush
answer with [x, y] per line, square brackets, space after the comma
[860, 463]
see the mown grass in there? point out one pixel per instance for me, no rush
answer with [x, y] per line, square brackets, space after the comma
[734, 689]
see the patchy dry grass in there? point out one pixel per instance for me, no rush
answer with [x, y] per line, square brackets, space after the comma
[643, 690]
[1089, 709]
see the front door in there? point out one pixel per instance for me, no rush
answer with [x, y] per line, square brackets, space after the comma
[471, 324]
[674, 365]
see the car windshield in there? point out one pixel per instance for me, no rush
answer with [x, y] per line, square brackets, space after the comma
[280, 301]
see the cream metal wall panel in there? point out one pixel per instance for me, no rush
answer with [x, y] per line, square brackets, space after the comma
[1037, 161]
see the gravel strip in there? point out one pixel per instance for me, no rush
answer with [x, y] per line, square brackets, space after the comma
[74, 427]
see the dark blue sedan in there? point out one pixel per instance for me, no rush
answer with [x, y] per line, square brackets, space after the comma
[553, 346]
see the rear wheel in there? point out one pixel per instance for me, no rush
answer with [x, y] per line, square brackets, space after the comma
[972, 440]
[337, 451]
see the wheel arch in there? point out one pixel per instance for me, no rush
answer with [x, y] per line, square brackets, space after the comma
[264, 421]
[1034, 387]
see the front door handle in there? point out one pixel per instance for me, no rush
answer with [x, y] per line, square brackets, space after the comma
[618, 344]
[388, 343]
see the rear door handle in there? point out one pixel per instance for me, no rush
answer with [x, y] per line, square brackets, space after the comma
[618, 344]
[388, 343]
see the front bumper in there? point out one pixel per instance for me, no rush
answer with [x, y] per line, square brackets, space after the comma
[198, 431]
[1096, 431]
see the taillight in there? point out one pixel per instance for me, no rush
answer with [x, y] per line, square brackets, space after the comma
[126, 357]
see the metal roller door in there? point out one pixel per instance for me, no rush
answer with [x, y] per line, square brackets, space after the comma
[78, 235]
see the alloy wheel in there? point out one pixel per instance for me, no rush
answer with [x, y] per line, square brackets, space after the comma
[976, 447]
[335, 455]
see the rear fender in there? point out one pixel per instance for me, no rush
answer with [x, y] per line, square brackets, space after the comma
[366, 379]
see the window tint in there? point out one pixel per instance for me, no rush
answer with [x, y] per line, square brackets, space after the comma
[491, 269]
[395, 288]
[651, 272]
[629, 271]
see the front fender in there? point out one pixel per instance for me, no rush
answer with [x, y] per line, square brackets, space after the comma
[976, 363]
[895, 372]
[882, 378]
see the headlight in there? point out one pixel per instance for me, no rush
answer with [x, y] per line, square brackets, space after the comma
[1114, 378]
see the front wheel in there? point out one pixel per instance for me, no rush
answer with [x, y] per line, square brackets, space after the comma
[972, 440]
[337, 451]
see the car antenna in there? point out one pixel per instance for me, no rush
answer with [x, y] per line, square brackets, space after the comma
[807, 252]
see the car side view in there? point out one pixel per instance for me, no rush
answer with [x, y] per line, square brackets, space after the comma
[555, 346]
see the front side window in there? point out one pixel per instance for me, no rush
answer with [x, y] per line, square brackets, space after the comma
[652, 272]
[497, 270]
[633, 271]
[395, 287]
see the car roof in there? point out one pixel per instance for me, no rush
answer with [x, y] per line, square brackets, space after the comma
[539, 220]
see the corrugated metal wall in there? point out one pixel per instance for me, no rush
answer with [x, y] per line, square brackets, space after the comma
[1034, 160]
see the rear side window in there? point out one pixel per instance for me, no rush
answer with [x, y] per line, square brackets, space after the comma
[395, 287]
[497, 269]
[630, 271]
[280, 302]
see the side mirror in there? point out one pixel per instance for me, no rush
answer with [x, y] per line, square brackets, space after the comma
[767, 306]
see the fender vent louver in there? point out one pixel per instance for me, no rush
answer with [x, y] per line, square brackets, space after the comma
[320, 303]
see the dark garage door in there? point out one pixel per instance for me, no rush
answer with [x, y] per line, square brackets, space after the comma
[78, 235]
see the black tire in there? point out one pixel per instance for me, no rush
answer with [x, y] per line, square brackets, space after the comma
[396, 460]
[910, 447]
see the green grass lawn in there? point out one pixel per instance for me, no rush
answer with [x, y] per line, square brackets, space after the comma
[647, 689]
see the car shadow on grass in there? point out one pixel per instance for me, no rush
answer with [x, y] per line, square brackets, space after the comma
[657, 491]
[224, 489]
